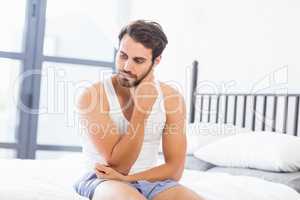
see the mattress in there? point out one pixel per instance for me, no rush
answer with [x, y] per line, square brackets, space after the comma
[291, 179]
[53, 179]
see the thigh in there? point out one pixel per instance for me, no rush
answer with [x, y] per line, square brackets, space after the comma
[178, 193]
[116, 190]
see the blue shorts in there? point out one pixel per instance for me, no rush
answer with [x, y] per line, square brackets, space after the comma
[86, 186]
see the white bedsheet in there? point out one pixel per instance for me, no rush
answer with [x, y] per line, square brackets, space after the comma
[53, 179]
[216, 186]
[38, 180]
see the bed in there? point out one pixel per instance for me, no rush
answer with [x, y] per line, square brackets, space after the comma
[246, 135]
[53, 179]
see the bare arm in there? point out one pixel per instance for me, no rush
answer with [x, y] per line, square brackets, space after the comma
[127, 149]
[119, 151]
[174, 142]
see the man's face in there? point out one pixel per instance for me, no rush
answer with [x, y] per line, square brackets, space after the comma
[133, 62]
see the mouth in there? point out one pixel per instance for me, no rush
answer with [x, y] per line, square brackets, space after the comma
[126, 76]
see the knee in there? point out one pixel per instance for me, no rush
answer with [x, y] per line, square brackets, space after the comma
[117, 196]
[188, 195]
[114, 190]
[178, 193]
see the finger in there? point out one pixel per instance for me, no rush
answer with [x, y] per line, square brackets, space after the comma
[100, 167]
[99, 174]
[102, 175]
[99, 171]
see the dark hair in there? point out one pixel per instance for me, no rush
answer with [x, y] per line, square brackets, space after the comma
[149, 33]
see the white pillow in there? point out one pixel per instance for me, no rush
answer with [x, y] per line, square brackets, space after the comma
[261, 150]
[201, 134]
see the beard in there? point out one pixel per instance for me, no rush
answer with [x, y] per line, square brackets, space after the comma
[128, 80]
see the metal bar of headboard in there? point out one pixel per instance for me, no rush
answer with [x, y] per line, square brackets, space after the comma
[296, 116]
[286, 105]
[193, 95]
[254, 113]
[244, 111]
[226, 109]
[209, 105]
[201, 108]
[264, 113]
[235, 110]
[218, 105]
[274, 113]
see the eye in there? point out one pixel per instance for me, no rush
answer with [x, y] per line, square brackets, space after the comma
[138, 61]
[123, 56]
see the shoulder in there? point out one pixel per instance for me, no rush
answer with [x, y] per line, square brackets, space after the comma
[93, 96]
[173, 99]
[168, 89]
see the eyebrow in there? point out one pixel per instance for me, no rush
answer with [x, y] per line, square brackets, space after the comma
[138, 58]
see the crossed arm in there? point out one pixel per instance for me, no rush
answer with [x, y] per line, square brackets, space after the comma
[121, 152]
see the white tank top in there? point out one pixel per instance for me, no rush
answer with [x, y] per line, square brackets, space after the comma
[152, 132]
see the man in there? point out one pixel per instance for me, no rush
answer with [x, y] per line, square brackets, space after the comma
[126, 115]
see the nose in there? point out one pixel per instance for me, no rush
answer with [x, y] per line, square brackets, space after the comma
[128, 67]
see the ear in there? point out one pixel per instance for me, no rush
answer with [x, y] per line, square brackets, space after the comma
[157, 61]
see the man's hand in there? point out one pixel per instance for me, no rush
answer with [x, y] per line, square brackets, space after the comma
[105, 172]
[144, 94]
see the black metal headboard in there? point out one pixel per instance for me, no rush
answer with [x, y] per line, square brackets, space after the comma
[289, 118]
